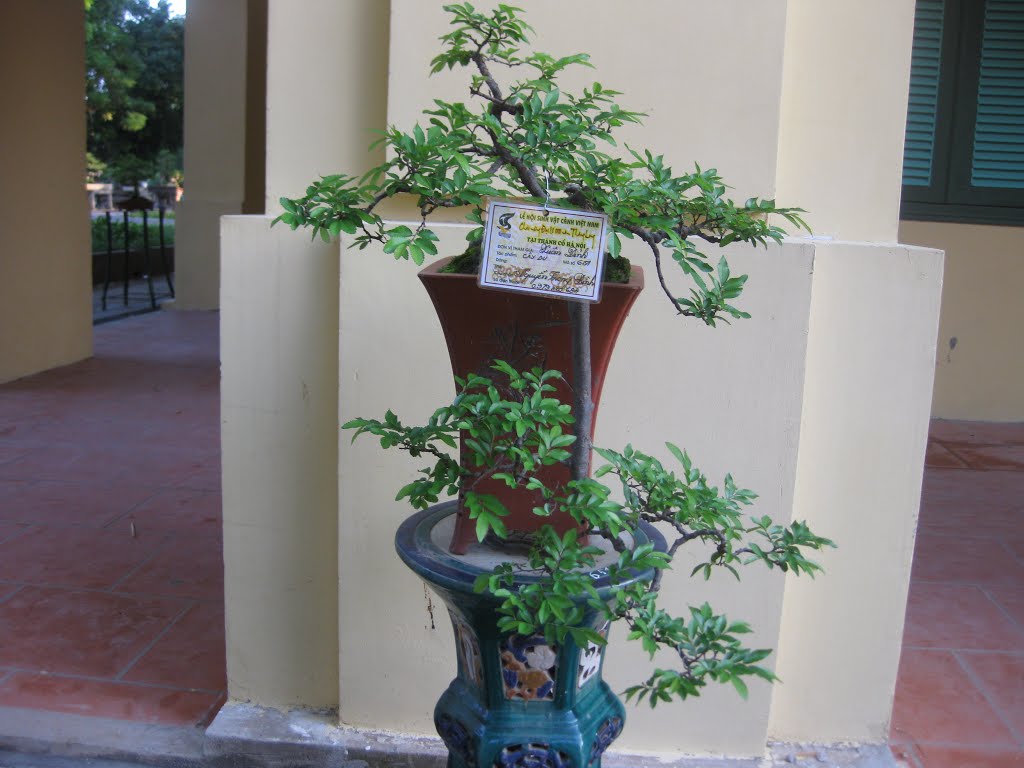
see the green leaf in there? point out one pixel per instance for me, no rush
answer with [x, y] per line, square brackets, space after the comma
[739, 685]
[677, 453]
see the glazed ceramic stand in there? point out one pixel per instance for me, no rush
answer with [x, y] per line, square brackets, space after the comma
[516, 702]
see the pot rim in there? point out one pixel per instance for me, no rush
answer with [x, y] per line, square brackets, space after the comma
[437, 565]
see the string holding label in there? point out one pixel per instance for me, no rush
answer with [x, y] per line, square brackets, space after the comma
[547, 191]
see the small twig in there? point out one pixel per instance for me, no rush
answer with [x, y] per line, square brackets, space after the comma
[503, 106]
[378, 198]
[652, 243]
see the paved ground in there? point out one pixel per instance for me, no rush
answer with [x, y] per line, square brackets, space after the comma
[960, 694]
[111, 601]
[111, 567]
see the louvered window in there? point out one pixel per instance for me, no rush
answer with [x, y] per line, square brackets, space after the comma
[919, 150]
[964, 151]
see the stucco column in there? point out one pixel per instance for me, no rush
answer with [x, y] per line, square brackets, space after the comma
[819, 402]
[843, 113]
[279, 348]
[45, 267]
[216, 39]
[870, 364]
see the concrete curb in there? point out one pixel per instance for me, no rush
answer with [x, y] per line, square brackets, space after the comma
[34, 732]
[266, 738]
[247, 736]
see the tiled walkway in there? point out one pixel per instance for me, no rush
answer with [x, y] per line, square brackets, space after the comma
[111, 569]
[960, 694]
[111, 597]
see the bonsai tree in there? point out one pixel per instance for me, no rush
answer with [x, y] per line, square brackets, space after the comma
[534, 140]
[531, 139]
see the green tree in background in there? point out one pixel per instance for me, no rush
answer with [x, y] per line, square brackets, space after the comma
[134, 88]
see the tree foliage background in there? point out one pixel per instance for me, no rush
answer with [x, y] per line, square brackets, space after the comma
[134, 90]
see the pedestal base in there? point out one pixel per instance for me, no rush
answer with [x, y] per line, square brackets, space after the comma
[516, 702]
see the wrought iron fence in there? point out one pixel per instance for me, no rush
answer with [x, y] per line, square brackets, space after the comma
[128, 215]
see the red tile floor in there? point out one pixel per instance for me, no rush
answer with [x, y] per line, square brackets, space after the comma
[111, 596]
[960, 693]
[111, 566]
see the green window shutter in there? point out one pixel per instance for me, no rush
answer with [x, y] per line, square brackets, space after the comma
[922, 107]
[998, 157]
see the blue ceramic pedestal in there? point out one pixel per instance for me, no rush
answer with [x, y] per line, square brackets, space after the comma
[516, 702]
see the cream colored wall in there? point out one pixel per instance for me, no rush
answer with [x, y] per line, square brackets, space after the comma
[279, 411]
[868, 388]
[403, 641]
[844, 109]
[862, 441]
[653, 393]
[45, 268]
[403, 365]
[770, 416]
[323, 128]
[979, 368]
[279, 391]
[215, 135]
[662, 54]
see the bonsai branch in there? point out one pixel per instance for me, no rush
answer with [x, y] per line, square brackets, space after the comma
[498, 103]
[498, 106]
[649, 238]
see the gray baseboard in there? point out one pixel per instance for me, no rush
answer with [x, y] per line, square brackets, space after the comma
[247, 736]
[35, 734]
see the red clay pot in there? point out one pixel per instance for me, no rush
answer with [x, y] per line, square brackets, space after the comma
[481, 326]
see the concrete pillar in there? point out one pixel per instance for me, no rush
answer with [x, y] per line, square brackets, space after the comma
[279, 363]
[867, 397]
[844, 110]
[818, 432]
[279, 342]
[216, 45]
[45, 267]
[870, 364]
[327, 88]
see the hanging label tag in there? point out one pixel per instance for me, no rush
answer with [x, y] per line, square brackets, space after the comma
[545, 251]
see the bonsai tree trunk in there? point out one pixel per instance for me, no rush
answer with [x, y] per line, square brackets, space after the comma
[583, 402]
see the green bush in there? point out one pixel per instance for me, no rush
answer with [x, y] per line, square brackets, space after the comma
[99, 233]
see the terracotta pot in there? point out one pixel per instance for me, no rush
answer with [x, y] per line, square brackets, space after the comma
[481, 326]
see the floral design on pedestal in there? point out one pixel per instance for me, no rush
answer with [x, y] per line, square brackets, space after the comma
[532, 756]
[590, 659]
[606, 734]
[528, 668]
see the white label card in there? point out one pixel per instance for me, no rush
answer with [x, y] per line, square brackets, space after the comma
[545, 251]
